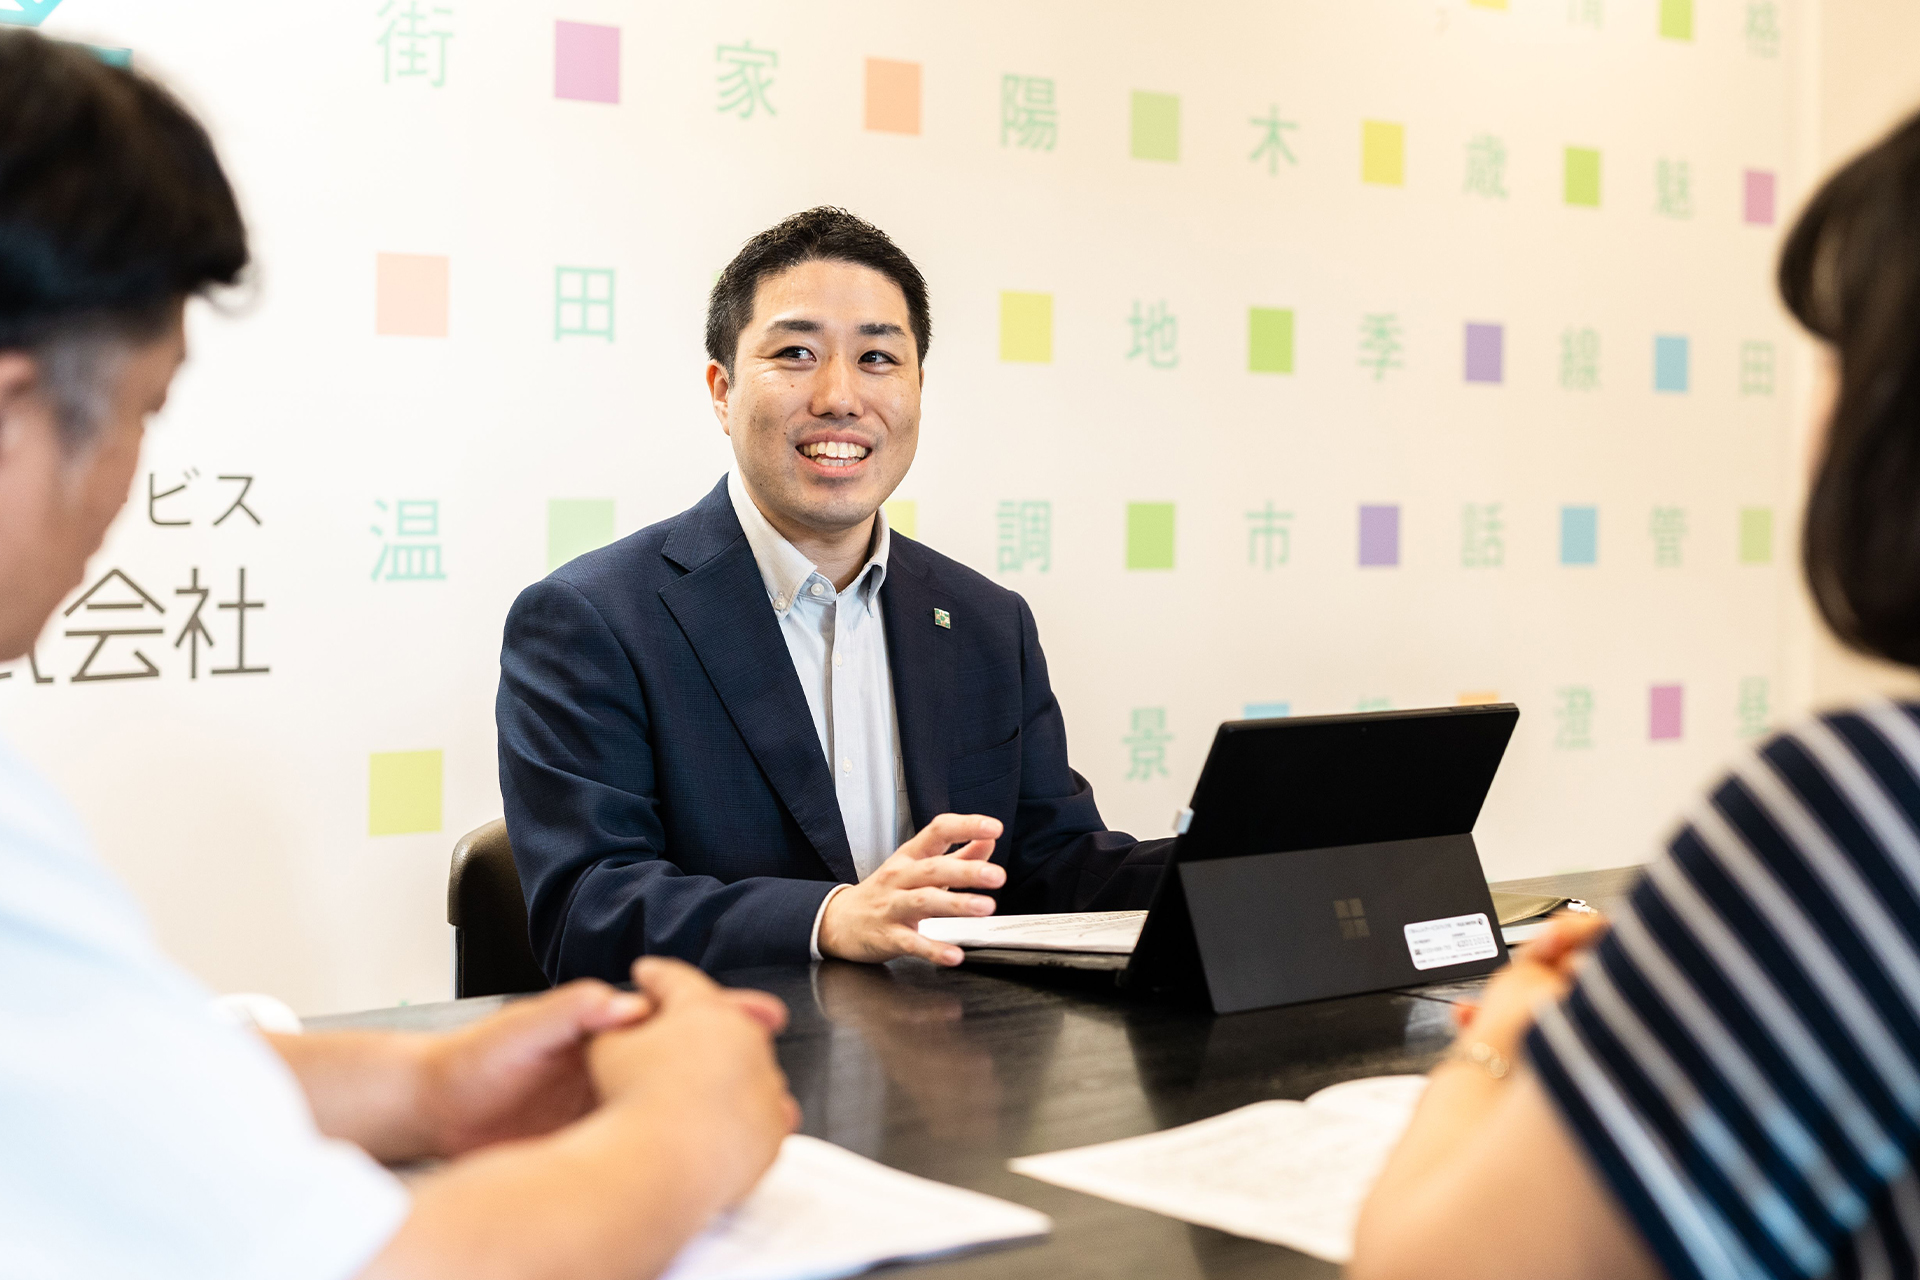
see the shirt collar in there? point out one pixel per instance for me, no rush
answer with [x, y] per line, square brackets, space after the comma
[784, 571]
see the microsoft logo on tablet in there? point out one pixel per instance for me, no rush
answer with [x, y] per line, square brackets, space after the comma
[1352, 914]
[26, 13]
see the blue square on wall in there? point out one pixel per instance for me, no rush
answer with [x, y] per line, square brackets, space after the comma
[1670, 363]
[1579, 535]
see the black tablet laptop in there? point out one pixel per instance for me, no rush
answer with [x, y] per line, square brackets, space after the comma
[1321, 856]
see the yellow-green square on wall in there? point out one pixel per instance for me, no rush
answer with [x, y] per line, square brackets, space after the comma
[1676, 19]
[1026, 327]
[1383, 153]
[576, 526]
[1756, 535]
[1156, 126]
[403, 792]
[1583, 176]
[1269, 340]
[1149, 535]
[903, 515]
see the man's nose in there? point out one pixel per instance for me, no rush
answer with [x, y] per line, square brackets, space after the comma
[836, 394]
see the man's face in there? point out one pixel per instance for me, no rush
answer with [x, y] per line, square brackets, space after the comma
[823, 405]
[55, 506]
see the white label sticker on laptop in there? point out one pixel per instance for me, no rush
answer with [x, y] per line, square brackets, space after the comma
[1434, 944]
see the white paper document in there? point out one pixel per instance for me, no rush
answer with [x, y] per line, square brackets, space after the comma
[1112, 933]
[823, 1211]
[1290, 1173]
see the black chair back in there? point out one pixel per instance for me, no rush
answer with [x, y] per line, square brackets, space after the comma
[491, 953]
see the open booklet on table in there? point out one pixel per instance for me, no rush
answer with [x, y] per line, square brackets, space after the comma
[1289, 1173]
[1111, 933]
[813, 1217]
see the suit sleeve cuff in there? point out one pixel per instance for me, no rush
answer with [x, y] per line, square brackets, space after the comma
[813, 946]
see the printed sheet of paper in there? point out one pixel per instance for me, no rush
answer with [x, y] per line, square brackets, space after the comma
[823, 1211]
[1112, 933]
[1290, 1173]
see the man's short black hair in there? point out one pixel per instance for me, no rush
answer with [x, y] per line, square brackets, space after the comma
[822, 234]
[113, 206]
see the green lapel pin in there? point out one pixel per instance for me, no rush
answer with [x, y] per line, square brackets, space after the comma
[941, 618]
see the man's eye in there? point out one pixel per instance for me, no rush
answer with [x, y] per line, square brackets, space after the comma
[878, 355]
[795, 353]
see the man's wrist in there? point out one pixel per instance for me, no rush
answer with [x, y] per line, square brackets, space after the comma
[819, 918]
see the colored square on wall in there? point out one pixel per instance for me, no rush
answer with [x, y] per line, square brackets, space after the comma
[576, 526]
[1664, 707]
[1759, 202]
[1156, 126]
[1756, 535]
[1583, 176]
[1149, 535]
[903, 514]
[1383, 153]
[586, 62]
[112, 57]
[1269, 340]
[1486, 344]
[1478, 698]
[1266, 710]
[1379, 536]
[1026, 327]
[1579, 535]
[403, 792]
[1488, 4]
[1670, 372]
[893, 96]
[410, 295]
[1676, 19]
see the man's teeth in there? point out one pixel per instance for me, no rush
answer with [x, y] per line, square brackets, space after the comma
[835, 453]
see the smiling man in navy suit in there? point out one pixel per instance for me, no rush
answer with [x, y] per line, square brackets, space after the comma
[771, 727]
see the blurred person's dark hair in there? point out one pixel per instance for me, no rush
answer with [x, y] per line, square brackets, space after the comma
[113, 208]
[821, 234]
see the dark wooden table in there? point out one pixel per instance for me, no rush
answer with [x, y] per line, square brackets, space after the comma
[950, 1074]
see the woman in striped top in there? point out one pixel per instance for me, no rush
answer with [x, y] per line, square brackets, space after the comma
[1726, 1082]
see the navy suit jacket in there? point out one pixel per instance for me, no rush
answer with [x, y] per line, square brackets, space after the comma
[664, 785]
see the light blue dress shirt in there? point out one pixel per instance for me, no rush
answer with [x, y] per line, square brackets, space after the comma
[838, 643]
[142, 1134]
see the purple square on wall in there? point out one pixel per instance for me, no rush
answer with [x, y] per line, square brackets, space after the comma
[586, 62]
[1379, 535]
[1663, 712]
[1484, 343]
[1760, 197]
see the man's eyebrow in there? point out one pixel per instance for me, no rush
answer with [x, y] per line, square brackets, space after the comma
[795, 326]
[876, 329]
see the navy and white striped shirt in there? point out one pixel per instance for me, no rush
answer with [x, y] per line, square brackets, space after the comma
[1741, 1055]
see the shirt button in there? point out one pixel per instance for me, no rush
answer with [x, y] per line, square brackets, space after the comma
[780, 602]
[839, 660]
[817, 589]
[846, 766]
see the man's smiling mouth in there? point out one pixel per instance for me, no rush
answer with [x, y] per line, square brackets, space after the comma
[834, 453]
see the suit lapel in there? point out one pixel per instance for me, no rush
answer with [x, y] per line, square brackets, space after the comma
[721, 606]
[920, 654]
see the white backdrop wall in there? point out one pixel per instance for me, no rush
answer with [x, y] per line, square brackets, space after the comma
[421, 431]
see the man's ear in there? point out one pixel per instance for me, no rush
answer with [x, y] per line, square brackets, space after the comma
[19, 388]
[719, 386]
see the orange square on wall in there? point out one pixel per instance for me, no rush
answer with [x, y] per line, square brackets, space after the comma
[410, 295]
[893, 96]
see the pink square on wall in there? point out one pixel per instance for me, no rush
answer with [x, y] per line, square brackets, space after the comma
[1664, 712]
[1760, 197]
[586, 62]
[410, 295]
